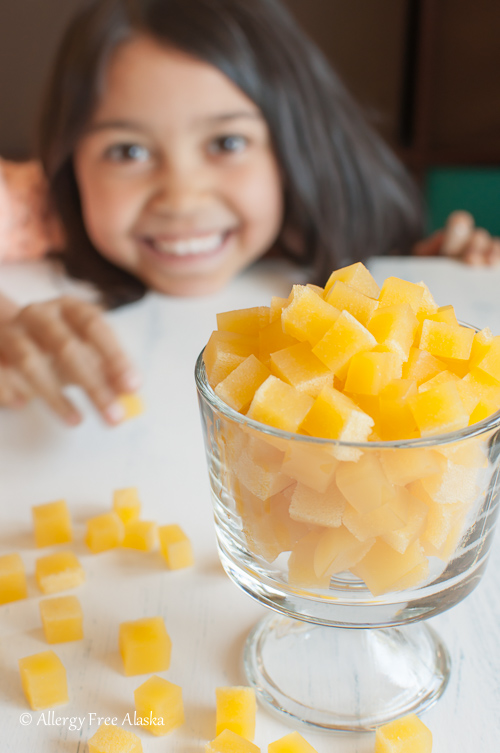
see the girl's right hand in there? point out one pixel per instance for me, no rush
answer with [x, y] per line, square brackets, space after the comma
[64, 341]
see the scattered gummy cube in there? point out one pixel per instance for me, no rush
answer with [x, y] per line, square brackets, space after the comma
[236, 708]
[230, 742]
[145, 646]
[104, 532]
[161, 702]
[52, 523]
[12, 578]
[291, 743]
[175, 547]
[406, 735]
[62, 619]
[126, 504]
[110, 738]
[131, 404]
[43, 678]
[57, 572]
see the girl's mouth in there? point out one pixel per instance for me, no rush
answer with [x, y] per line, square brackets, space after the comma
[196, 245]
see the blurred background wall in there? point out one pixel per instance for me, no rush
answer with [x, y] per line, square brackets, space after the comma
[427, 73]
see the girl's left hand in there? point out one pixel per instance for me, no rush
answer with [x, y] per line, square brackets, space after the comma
[461, 239]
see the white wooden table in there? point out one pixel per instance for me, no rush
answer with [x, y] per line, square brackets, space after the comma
[207, 617]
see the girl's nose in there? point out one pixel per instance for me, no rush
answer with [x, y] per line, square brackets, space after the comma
[178, 189]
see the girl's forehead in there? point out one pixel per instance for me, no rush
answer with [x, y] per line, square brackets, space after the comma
[146, 76]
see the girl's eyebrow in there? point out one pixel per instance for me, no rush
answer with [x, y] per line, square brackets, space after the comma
[131, 125]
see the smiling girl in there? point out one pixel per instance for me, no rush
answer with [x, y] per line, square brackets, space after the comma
[182, 141]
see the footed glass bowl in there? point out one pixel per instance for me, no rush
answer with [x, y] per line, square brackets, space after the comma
[352, 546]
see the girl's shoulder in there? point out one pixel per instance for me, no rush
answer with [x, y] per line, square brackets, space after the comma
[29, 227]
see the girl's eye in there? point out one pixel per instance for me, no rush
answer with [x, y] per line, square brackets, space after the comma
[228, 145]
[128, 153]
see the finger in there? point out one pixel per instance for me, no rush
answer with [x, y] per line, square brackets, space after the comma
[25, 356]
[83, 367]
[87, 320]
[493, 254]
[429, 246]
[476, 250]
[458, 231]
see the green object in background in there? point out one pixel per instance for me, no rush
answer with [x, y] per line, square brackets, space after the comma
[474, 189]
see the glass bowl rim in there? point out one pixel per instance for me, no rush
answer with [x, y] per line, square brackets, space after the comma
[487, 425]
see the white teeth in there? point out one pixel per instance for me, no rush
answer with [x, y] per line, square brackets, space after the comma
[202, 245]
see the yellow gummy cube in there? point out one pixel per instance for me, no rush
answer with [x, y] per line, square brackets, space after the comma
[301, 572]
[104, 532]
[338, 550]
[145, 646]
[238, 388]
[439, 410]
[291, 743]
[421, 366]
[395, 291]
[272, 338]
[317, 508]
[395, 417]
[369, 373]
[357, 276]
[126, 503]
[490, 364]
[141, 534]
[335, 416]
[43, 678]
[224, 351]
[307, 317]
[428, 305]
[244, 321]
[258, 468]
[278, 404]
[277, 306]
[487, 390]
[446, 340]
[404, 465]
[309, 464]
[132, 405]
[12, 578]
[57, 572]
[394, 327]
[267, 525]
[110, 738]
[236, 708]
[160, 701]
[388, 517]
[230, 742]
[383, 569]
[480, 346]
[346, 298]
[441, 378]
[406, 735]
[342, 341]
[175, 547]
[297, 365]
[364, 483]
[62, 619]
[52, 523]
[401, 538]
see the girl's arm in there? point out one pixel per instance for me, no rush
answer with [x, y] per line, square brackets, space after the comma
[461, 239]
[45, 346]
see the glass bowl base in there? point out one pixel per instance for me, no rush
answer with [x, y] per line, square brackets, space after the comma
[331, 678]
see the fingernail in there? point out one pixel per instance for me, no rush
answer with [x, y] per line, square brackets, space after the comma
[114, 413]
[132, 381]
[73, 419]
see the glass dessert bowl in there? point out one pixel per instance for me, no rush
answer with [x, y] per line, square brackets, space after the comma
[352, 546]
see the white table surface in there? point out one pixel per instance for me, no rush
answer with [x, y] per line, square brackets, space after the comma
[207, 617]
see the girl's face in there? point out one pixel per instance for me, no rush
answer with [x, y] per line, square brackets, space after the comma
[178, 181]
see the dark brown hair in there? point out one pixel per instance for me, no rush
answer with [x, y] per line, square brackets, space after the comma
[346, 195]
